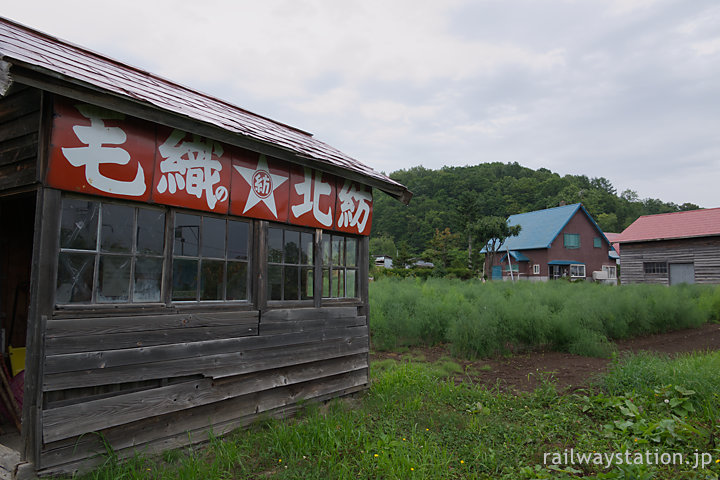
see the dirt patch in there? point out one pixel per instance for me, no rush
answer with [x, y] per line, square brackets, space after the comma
[523, 372]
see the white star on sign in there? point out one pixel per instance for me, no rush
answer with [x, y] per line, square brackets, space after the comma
[262, 185]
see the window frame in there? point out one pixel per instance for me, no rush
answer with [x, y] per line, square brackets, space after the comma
[200, 256]
[98, 254]
[655, 268]
[311, 267]
[571, 245]
[610, 269]
[536, 269]
[577, 265]
[344, 268]
[597, 242]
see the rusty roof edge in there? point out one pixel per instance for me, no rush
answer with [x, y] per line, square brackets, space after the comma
[386, 184]
[6, 79]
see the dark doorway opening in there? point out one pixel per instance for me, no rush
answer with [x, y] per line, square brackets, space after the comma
[17, 220]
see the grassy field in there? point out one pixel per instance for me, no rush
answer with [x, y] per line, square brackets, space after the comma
[484, 319]
[415, 423]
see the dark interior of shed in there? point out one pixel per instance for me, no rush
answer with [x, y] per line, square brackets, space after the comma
[17, 217]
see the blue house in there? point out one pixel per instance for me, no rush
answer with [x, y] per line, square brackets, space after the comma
[553, 243]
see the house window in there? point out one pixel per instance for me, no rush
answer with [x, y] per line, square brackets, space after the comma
[655, 267]
[210, 258]
[109, 253]
[597, 242]
[572, 240]
[290, 264]
[340, 268]
[513, 268]
[611, 271]
[536, 269]
[577, 271]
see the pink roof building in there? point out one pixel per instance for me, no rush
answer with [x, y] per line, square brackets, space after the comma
[671, 248]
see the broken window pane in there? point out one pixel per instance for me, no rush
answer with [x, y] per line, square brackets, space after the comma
[75, 277]
[117, 228]
[114, 279]
[185, 277]
[78, 227]
[148, 275]
[150, 231]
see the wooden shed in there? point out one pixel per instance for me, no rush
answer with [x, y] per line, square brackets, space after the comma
[170, 262]
[672, 248]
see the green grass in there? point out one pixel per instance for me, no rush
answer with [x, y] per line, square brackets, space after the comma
[415, 422]
[485, 319]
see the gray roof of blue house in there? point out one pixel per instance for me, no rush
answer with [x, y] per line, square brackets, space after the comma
[541, 227]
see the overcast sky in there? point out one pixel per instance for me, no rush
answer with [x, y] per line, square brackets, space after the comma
[624, 89]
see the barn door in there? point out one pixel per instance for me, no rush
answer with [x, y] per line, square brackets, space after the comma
[682, 273]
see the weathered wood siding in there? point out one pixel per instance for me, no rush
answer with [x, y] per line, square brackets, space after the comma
[161, 381]
[703, 253]
[19, 126]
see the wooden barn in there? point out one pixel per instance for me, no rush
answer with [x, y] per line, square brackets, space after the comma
[169, 263]
[672, 248]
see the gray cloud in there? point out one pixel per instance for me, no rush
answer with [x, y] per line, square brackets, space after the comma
[625, 89]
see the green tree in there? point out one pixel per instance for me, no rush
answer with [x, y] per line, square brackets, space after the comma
[492, 232]
[382, 245]
[444, 251]
[403, 257]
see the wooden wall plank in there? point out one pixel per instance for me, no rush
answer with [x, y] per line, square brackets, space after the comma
[111, 325]
[91, 343]
[299, 314]
[132, 356]
[96, 415]
[20, 149]
[309, 325]
[19, 103]
[218, 417]
[212, 365]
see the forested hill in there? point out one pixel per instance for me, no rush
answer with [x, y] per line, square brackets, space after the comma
[453, 197]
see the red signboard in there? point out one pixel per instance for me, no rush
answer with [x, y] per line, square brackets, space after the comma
[354, 207]
[191, 172]
[312, 198]
[260, 187]
[101, 152]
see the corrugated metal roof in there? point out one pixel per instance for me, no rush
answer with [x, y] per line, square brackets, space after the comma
[46, 54]
[539, 228]
[666, 226]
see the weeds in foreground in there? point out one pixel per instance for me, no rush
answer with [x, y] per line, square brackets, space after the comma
[414, 422]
